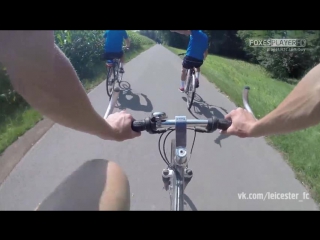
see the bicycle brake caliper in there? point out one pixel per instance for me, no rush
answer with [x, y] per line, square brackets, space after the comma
[188, 174]
[166, 177]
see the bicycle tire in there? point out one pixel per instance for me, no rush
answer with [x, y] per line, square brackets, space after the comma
[188, 92]
[191, 101]
[109, 74]
[119, 75]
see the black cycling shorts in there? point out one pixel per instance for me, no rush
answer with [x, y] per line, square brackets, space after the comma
[112, 55]
[191, 62]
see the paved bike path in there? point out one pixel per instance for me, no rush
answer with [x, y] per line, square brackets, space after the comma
[223, 167]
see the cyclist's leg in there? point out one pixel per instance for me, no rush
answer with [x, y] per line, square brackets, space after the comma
[184, 70]
[120, 56]
[197, 64]
[96, 185]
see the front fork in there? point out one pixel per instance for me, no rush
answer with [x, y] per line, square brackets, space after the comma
[167, 177]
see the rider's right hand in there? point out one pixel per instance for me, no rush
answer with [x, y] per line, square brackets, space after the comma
[242, 123]
[120, 123]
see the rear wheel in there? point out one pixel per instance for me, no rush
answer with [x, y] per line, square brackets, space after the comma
[110, 81]
[190, 90]
[119, 75]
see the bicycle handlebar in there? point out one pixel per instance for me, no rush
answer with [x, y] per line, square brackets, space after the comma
[152, 125]
[246, 101]
[158, 124]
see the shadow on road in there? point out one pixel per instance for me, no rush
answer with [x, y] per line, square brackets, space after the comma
[188, 201]
[205, 110]
[79, 191]
[124, 85]
[128, 99]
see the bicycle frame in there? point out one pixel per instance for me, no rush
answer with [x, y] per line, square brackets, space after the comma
[175, 177]
[177, 173]
[115, 68]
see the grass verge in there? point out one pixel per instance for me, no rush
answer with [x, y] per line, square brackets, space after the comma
[300, 149]
[24, 117]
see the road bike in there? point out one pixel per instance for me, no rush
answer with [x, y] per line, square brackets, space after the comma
[190, 86]
[177, 175]
[113, 74]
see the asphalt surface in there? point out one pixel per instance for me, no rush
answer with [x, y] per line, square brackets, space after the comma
[224, 167]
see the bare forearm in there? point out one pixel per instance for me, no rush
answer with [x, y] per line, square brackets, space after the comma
[50, 84]
[299, 110]
[128, 42]
[184, 32]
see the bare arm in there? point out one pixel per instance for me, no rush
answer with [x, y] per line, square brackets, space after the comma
[299, 110]
[127, 42]
[45, 78]
[183, 32]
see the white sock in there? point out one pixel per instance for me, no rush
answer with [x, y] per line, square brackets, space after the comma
[182, 84]
[197, 75]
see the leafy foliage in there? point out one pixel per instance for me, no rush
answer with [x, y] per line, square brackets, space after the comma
[283, 65]
[83, 48]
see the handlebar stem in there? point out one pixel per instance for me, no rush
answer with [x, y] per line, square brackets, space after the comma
[181, 140]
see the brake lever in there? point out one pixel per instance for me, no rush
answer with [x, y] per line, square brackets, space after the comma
[160, 130]
[200, 129]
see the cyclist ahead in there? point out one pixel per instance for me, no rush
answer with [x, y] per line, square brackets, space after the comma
[197, 51]
[113, 45]
[35, 64]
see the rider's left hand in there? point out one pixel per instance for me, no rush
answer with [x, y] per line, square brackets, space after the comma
[120, 123]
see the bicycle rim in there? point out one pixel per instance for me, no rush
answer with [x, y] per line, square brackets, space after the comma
[190, 94]
[191, 99]
[110, 85]
[119, 75]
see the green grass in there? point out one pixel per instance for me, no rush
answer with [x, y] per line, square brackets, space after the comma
[300, 149]
[24, 117]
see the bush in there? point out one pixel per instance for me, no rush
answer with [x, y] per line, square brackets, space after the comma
[283, 64]
[83, 48]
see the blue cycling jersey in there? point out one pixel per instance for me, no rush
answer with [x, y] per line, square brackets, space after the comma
[198, 44]
[114, 40]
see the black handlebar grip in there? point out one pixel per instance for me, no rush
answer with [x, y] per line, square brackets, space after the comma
[138, 125]
[224, 124]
